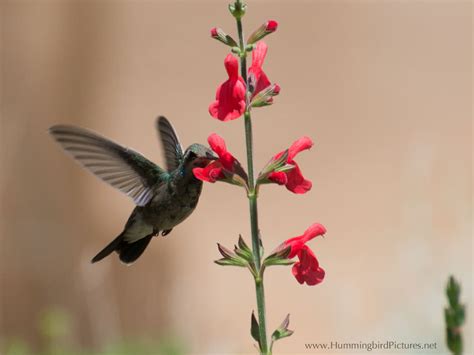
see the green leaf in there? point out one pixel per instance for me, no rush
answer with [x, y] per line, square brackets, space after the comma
[254, 330]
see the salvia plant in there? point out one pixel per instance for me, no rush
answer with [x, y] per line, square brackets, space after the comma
[245, 90]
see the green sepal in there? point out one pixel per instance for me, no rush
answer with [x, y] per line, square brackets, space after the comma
[236, 50]
[279, 257]
[249, 47]
[285, 168]
[230, 258]
[265, 97]
[243, 254]
[229, 262]
[242, 245]
[239, 177]
[282, 331]
[271, 166]
[284, 262]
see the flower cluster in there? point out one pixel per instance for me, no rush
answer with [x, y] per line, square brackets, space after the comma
[236, 96]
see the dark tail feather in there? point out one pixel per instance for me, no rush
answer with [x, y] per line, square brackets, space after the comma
[114, 245]
[131, 252]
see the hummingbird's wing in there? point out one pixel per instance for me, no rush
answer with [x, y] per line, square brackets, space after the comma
[120, 167]
[171, 145]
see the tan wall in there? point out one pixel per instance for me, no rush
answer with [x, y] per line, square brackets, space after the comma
[384, 88]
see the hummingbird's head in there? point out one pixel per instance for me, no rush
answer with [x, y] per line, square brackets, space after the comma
[199, 156]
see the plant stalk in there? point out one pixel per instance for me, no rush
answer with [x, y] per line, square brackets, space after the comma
[252, 196]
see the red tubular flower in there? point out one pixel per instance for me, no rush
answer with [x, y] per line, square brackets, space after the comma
[258, 57]
[307, 268]
[230, 95]
[293, 179]
[223, 168]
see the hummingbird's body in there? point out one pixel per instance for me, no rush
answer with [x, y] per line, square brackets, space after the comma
[164, 198]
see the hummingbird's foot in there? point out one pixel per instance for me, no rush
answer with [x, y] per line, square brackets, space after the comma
[166, 232]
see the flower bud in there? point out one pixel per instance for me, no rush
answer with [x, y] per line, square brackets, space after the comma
[221, 36]
[265, 29]
[237, 9]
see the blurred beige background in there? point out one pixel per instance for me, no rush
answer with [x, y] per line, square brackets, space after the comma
[384, 89]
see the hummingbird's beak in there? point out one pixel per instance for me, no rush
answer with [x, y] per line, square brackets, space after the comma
[211, 156]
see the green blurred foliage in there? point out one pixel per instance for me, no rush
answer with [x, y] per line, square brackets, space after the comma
[454, 316]
[55, 328]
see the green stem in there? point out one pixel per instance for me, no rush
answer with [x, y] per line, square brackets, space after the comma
[253, 204]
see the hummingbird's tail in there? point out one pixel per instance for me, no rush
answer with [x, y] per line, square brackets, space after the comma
[128, 252]
[112, 246]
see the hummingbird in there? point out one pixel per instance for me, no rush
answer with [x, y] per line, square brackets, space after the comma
[163, 198]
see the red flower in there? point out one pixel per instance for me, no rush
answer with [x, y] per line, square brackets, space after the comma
[307, 268]
[293, 179]
[258, 57]
[222, 168]
[230, 95]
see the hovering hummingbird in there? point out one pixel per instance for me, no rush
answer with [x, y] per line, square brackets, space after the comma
[163, 198]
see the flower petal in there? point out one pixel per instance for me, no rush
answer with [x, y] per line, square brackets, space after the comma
[230, 95]
[297, 183]
[271, 26]
[231, 66]
[298, 243]
[278, 177]
[315, 230]
[210, 173]
[299, 145]
[217, 144]
[307, 269]
[258, 57]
